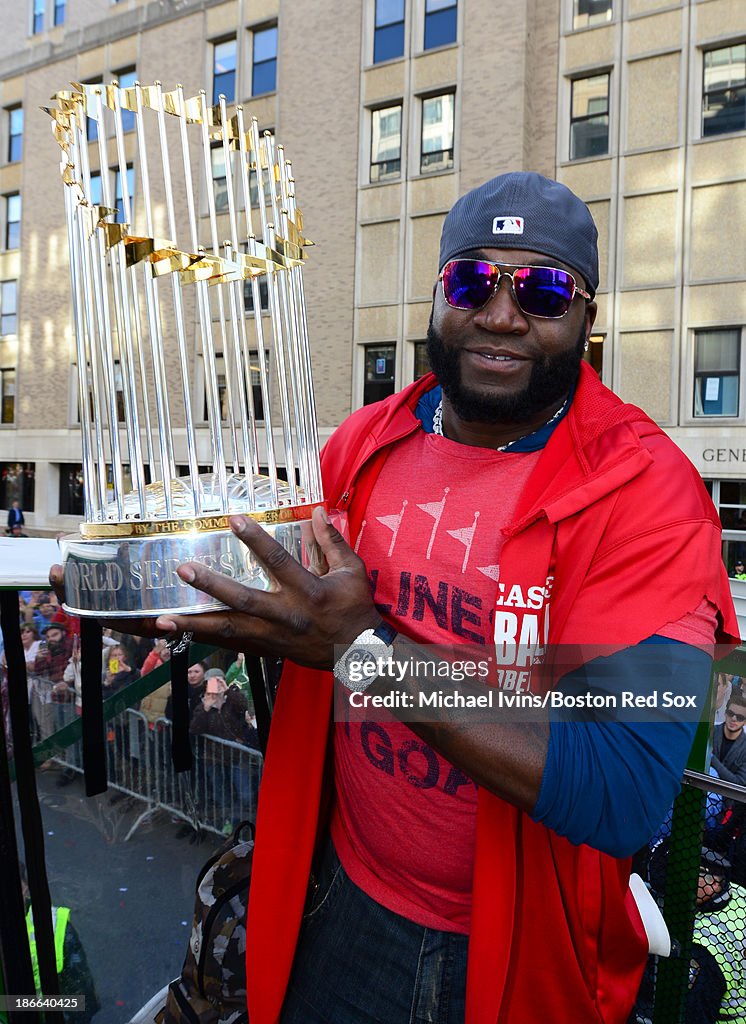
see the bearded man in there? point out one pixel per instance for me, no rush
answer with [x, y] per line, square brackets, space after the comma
[476, 869]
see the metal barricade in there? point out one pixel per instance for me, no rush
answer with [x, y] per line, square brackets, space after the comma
[219, 791]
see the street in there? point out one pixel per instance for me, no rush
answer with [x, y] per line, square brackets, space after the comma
[131, 901]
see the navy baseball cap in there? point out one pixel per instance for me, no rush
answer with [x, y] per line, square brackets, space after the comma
[524, 210]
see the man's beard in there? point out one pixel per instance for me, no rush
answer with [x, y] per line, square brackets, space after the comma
[552, 378]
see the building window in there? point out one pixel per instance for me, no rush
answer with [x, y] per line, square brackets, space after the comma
[37, 19]
[724, 90]
[421, 361]
[127, 79]
[589, 119]
[8, 307]
[436, 149]
[388, 37]
[385, 151]
[118, 198]
[379, 372]
[264, 61]
[17, 484]
[255, 377]
[96, 188]
[8, 395]
[591, 12]
[59, 12]
[224, 71]
[729, 498]
[717, 362]
[219, 180]
[13, 221]
[91, 127]
[15, 134]
[248, 295]
[71, 490]
[256, 390]
[441, 17]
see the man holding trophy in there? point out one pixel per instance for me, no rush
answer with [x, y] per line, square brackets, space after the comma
[433, 868]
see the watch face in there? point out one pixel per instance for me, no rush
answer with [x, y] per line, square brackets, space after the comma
[356, 658]
[361, 656]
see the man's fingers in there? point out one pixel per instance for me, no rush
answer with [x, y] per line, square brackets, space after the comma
[57, 582]
[273, 556]
[336, 550]
[136, 627]
[228, 629]
[248, 600]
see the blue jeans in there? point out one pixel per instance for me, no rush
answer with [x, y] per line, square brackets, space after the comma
[358, 963]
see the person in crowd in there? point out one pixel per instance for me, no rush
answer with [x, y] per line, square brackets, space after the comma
[118, 672]
[196, 679]
[52, 699]
[42, 610]
[720, 926]
[123, 749]
[138, 648]
[74, 974]
[237, 673]
[16, 519]
[725, 682]
[510, 501]
[159, 654]
[221, 715]
[30, 641]
[729, 742]
[739, 571]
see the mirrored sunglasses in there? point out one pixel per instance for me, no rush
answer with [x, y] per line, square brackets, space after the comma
[545, 292]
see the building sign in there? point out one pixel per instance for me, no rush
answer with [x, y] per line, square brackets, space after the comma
[715, 453]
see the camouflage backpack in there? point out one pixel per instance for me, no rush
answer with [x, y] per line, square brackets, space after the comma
[211, 988]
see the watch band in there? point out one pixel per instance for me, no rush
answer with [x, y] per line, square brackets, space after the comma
[385, 632]
[369, 647]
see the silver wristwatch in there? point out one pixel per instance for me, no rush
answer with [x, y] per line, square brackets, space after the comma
[368, 649]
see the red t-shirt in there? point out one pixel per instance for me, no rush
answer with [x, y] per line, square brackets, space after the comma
[404, 820]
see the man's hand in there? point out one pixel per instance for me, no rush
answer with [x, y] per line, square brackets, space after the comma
[302, 617]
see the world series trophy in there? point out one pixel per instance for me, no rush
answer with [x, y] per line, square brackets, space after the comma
[168, 272]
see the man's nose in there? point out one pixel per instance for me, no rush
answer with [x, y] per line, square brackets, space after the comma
[502, 313]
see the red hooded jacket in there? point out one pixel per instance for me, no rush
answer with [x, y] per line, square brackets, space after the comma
[622, 520]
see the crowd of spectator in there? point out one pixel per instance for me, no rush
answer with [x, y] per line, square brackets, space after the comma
[220, 703]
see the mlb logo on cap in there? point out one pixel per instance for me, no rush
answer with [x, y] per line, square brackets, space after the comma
[507, 226]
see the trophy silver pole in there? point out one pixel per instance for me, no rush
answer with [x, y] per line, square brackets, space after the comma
[90, 490]
[123, 318]
[203, 300]
[245, 165]
[268, 237]
[154, 332]
[131, 319]
[233, 367]
[88, 249]
[299, 303]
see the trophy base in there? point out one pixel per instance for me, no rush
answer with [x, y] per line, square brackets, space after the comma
[135, 576]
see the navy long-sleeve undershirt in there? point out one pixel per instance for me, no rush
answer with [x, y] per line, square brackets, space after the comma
[610, 779]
